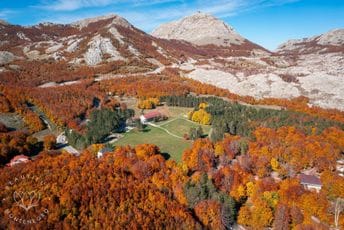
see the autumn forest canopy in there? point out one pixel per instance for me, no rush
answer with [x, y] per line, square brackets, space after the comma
[244, 171]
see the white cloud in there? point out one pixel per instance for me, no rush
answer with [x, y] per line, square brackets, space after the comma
[70, 5]
[5, 13]
[150, 19]
[225, 8]
[148, 14]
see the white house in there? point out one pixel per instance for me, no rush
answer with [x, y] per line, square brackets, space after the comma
[102, 151]
[310, 182]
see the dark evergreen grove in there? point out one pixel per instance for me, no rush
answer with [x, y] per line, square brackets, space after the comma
[238, 119]
[206, 190]
[196, 133]
[100, 125]
[227, 117]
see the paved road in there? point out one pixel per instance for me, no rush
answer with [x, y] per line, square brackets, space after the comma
[62, 140]
[102, 77]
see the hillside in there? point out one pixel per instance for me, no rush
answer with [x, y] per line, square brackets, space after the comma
[204, 29]
[103, 126]
[330, 42]
[101, 45]
[311, 67]
[200, 29]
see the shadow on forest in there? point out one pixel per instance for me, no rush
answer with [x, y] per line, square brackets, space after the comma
[146, 130]
[166, 156]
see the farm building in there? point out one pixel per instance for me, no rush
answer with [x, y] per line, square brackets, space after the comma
[152, 116]
[18, 160]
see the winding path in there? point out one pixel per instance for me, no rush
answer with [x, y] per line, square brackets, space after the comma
[168, 132]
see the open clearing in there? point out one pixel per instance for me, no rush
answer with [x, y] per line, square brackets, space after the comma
[167, 135]
[182, 126]
[173, 146]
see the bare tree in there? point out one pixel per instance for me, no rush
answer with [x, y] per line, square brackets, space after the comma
[339, 207]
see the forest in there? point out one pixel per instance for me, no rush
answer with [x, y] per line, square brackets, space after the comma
[101, 123]
[215, 186]
[245, 172]
[236, 119]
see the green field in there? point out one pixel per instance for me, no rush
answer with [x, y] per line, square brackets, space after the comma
[167, 143]
[181, 126]
[171, 143]
[174, 111]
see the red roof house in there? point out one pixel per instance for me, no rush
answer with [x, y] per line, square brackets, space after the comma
[18, 160]
[150, 116]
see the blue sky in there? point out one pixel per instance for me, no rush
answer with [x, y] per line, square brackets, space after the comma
[265, 22]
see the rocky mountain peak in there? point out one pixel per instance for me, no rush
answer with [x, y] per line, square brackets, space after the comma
[3, 22]
[333, 37]
[332, 41]
[200, 29]
[115, 20]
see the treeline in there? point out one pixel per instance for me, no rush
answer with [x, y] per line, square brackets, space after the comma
[137, 187]
[216, 185]
[14, 143]
[101, 124]
[241, 120]
[190, 101]
[12, 100]
[242, 168]
[170, 83]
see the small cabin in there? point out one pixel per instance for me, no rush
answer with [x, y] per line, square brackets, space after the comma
[18, 160]
[102, 151]
[310, 182]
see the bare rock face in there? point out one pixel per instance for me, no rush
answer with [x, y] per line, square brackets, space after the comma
[6, 57]
[204, 47]
[116, 20]
[311, 67]
[200, 29]
[98, 47]
[3, 22]
[332, 41]
[333, 37]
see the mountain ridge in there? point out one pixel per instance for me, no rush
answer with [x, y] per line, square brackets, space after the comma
[109, 45]
[318, 43]
[200, 29]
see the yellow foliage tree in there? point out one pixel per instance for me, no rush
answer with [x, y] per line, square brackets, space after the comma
[274, 164]
[219, 150]
[203, 105]
[271, 198]
[261, 214]
[244, 217]
[206, 119]
[149, 103]
[250, 188]
[201, 116]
